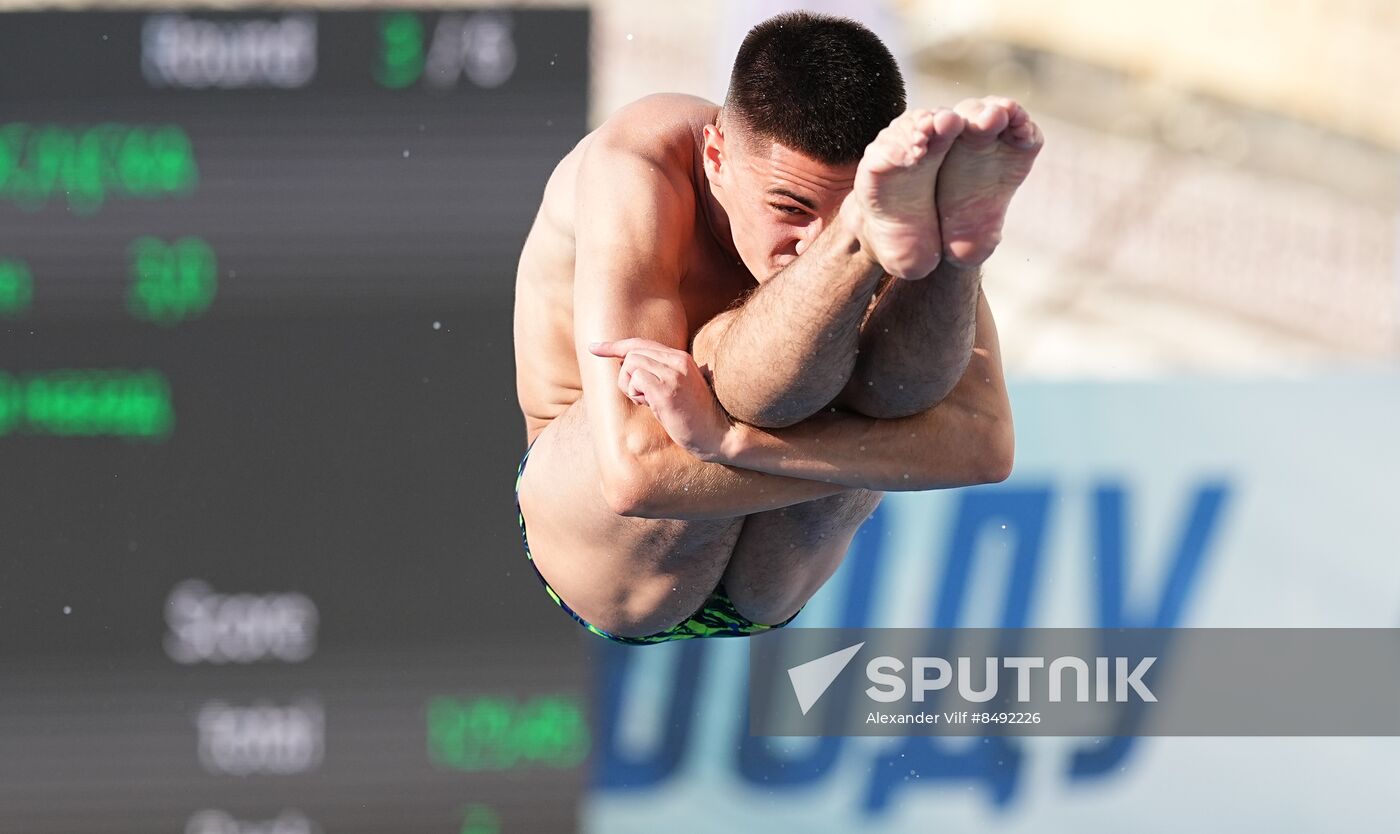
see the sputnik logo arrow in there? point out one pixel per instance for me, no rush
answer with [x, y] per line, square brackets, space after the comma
[812, 678]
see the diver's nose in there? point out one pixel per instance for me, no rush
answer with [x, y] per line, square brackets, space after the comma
[810, 232]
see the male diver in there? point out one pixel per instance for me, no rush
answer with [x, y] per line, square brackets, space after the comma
[738, 326]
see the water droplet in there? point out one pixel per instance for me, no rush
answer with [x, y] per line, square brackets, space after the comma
[67, 609]
[437, 325]
[405, 153]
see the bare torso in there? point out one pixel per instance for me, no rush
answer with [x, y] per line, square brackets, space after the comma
[547, 371]
[647, 264]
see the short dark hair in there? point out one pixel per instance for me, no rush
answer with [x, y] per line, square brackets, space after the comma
[821, 85]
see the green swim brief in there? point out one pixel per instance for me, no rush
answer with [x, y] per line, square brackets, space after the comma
[716, 618]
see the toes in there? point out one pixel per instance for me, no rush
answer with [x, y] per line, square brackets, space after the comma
[1024, 135]
[1027, 137]
[910, 119]
[968, 108]
[994, 120]
[924, 123]
[936, 131]
[947, 124]
[984, 126]
[919, 133]
[898, 146]
[1016, 114]
[918, 127]
[989, 116]
[914, 133]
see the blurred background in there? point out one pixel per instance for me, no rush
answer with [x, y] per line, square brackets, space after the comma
[259, 565]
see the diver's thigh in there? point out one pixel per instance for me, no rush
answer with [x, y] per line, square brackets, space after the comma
[784, 556]
[629, 576]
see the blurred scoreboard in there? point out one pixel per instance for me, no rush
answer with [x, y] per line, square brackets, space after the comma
[259, 563]
[155, 162]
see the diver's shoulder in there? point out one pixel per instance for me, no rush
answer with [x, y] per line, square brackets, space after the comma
[677, 107]
[666, 124]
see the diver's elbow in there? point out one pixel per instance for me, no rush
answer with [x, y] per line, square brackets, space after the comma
[623, 497]
[999, 452]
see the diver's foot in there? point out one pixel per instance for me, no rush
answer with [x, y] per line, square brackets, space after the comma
[895, 214]
[984, 167]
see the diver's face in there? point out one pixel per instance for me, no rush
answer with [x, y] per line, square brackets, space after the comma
[777, 199]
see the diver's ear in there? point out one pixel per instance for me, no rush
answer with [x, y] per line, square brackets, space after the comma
[713, 154]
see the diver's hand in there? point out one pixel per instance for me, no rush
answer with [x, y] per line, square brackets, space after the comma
[668, 382]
